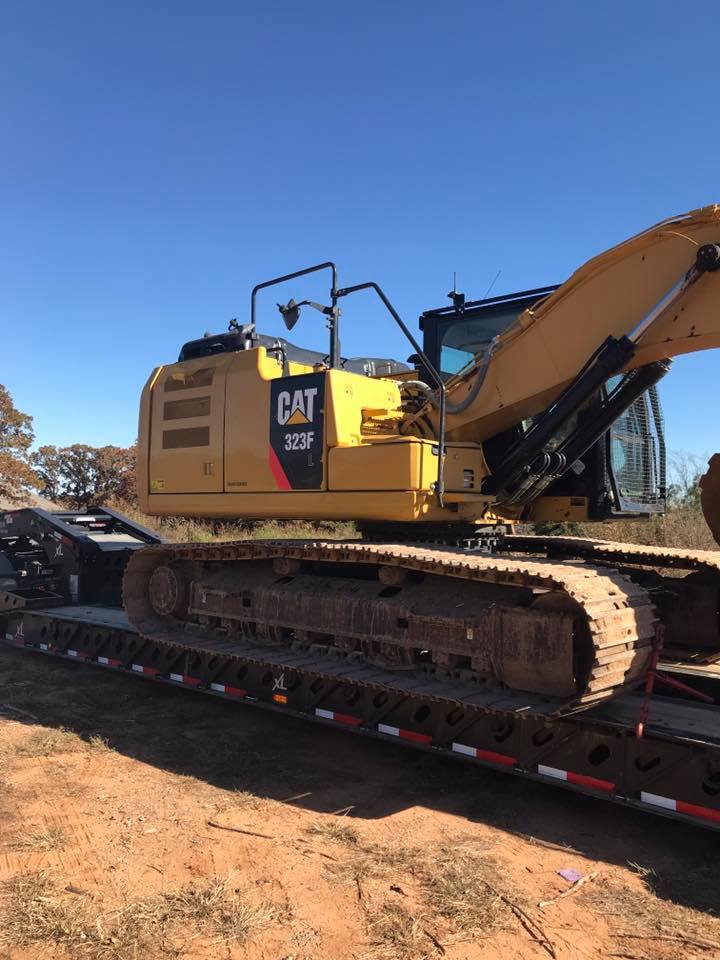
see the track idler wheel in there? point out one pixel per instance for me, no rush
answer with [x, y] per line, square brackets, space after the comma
[168, 591]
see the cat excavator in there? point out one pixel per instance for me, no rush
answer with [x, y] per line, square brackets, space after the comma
[539, 407]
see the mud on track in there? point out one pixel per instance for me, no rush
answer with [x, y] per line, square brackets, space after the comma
[108, 786]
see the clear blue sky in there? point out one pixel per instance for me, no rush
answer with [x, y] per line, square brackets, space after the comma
[159, 158]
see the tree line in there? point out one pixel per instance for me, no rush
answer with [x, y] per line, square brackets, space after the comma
[76, 476]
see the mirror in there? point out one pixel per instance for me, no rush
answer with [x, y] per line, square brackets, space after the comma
[290, 313]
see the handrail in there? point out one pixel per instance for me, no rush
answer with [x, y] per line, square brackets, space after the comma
[343, 292]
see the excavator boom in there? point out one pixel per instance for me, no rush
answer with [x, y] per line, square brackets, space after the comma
[638, 287]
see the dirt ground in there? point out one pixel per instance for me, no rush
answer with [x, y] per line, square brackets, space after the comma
[138, 821]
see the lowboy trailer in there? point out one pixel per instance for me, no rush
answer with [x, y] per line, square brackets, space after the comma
[61, 595]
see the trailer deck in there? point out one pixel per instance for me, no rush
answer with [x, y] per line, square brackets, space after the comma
[674, 769]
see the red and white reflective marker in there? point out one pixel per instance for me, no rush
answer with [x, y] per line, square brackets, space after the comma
[184, 678]
[680, 806]
[108, 662]
[338, 717]
[487, 755]
[148, 671]
[592, 783]
[230, 691]
[78, 654]
[404, 734]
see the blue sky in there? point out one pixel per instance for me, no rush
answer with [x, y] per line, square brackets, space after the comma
[161, 158]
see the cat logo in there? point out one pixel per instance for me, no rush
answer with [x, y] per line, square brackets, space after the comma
[296, 407]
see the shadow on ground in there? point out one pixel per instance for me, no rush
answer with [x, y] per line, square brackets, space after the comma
[236, 747]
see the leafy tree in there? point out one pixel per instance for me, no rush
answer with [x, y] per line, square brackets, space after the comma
[684, 487]
[47, 463]
[81, 476]
[17, 477]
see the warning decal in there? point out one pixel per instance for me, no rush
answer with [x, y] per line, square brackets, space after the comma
[297, 417]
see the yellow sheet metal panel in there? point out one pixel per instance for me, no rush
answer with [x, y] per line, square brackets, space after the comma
[347, 395]
[406, 463]
[186, 453]
[378, 466]
[144, 431]
[398, 505]
[247, 421]
[559, 510]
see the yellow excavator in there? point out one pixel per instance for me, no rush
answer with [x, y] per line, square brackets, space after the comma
[536, 406]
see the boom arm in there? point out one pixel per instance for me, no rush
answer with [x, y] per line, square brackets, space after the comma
[651, 277]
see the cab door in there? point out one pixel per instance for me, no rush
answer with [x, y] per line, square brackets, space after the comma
[187, 421]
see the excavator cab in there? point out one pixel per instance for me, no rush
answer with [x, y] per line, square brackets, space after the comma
[622, 475]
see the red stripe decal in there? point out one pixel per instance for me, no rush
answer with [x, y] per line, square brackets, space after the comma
[496, 758]
[277, 471]
[417, 737]
[347, 718]
[695, 811]
[605, 786]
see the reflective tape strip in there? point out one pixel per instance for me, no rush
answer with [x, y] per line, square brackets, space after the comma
[9, 636]
[656, 801]
[579, 779]
[404, 734]
[78, 654]
[183, 678]
[46, 646]
[229, 691]
[148, 671]
[693, 810]
[680, 806]
[109, 662]
[489, 756]
[338, 717]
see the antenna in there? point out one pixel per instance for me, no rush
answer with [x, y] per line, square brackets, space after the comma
[458, 299]
[494, 281]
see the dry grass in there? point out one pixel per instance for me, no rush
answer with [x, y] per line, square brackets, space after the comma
[45, 743]
[464, 887]
[40, 840]
[183, 530]
[395, 934]
[335, 831]
[646, 914]
[680, 527]
[375, 861]
[251, 801]
[35, 912]
[96, 742]
[220, 911]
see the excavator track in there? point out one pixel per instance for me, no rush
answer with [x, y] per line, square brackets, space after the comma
[683, 584]
[568, 633]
